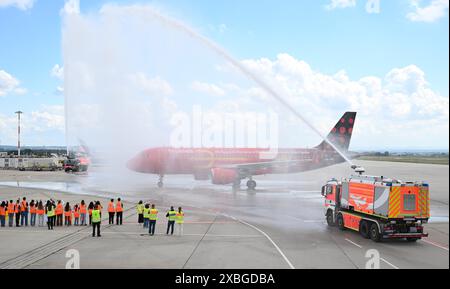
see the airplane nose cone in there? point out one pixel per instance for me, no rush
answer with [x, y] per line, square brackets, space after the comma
[137, 163]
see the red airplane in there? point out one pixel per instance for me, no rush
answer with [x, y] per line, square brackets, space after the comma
[231, 165]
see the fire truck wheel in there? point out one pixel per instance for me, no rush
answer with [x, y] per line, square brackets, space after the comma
[340, 222]
[364, 229]
[374, 233]
[330, 220]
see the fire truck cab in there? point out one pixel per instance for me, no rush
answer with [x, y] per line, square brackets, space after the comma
[377, 207]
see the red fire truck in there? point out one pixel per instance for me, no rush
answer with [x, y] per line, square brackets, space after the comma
[377, 207]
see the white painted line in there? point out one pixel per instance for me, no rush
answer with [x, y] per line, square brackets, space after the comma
[390, 264]
[270, 239]
[434, 244]
[350, 241]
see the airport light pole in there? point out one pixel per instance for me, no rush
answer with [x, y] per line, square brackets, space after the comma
[18, 132]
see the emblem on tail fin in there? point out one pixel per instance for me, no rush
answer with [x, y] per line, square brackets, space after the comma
[341, 133]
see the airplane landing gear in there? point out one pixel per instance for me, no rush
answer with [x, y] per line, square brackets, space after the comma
[236, 185]
[160, 182]
[251, 185]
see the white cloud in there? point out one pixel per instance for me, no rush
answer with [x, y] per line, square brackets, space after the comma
[434, 11]
[49, 117]
[340, 4]
[207, 88]
[152, 86]
[400, 105]
[58, 72]
[38, 126]
[9, 84]
[71, 7]
[21, 4]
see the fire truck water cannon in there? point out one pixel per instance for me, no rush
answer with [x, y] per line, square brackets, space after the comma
[377, 207]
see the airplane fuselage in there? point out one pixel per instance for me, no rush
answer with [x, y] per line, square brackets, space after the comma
[231, 165]
[200, 161]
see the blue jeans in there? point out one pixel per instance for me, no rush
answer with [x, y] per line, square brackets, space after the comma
[24, 219]
[2, 221]
[151, 228]
[10, 219]
[146, 222]
[83, 219]
[33, 219]
[170, 226]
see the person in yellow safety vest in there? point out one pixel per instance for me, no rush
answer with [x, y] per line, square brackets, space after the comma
[96, 220]
[140, 211]
[119, 212]
[153, 218]
[111, 211]
[51, 213]
[180, 221]
[171, 215]
[146, 215]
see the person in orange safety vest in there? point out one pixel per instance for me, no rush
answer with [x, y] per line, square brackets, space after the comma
[111, 211]
[67, 215]
[83, 213]
[59, 214]
[32, 213]
[24, 212]
[2, 214]
[119, 212]
[40, 210]
[10, 213]
[17, 212]
[76, 215]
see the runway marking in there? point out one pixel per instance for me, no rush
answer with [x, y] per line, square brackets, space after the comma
[382, 259]
[268, 237]
[435, 244]
[390, 264]
[350, 241]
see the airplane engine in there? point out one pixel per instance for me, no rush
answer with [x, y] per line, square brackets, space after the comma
[220, 176]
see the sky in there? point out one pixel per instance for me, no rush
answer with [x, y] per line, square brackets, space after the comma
[385, 59]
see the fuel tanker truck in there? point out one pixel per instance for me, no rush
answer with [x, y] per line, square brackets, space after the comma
[377, 207]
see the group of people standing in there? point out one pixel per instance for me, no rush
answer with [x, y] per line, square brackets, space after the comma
[54, 213]
[148, 215]
[59, 213]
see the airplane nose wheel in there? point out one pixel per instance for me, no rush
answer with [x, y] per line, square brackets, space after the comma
[236, 185]
[251, 185]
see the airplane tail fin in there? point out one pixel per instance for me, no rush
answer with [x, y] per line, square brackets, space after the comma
[341, 133]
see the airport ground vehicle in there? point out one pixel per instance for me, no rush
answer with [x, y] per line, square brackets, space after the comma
[75, 165]
[31, 164]
[378, 207]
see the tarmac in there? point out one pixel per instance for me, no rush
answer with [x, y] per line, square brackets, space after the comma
[281, 225]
